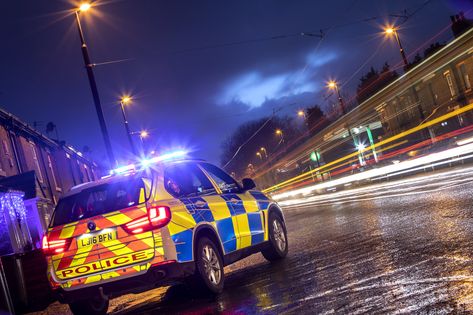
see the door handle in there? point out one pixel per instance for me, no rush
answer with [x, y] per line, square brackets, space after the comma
[200, 204]
[234, 201]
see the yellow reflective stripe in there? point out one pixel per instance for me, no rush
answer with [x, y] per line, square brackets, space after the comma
[111, 274]
[67, 231]
[181, 220]
[56, 260]
[243, 229]
[80, 256]
[218, 206]
[142, 198]
[264, 217]
[113, 244]
[146, 238]
[93, 279]
[118, 218]
[249, 202]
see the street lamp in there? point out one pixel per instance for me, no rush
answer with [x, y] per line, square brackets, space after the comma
[258, 154]
[263, 149]
[126, 100]
[389, 31]
[332, 85]
[93, 85]
[301, 113]
[143, 134]
[84, 6]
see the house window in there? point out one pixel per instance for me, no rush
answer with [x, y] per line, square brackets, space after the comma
[465, 77]
[36, 162]
[79, 171]
[87, 174]
[6, 149]
[69, 163]
[448, 77]
[53, 175]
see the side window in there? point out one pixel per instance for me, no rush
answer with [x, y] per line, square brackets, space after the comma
[224, 181]
[187, 180]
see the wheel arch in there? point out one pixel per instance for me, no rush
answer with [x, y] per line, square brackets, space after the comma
[208, 231]
[275, 208]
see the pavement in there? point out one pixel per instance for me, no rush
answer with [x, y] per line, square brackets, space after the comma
[390, 248]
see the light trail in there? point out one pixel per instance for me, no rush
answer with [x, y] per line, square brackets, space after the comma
[388, 140]
[399, 188]
[423, 161]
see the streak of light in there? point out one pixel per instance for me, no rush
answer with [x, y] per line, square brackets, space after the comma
[388, 140]
[377, 172]
[465, 141]
[400, 188]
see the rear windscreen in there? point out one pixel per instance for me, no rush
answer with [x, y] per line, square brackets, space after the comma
[99, 200]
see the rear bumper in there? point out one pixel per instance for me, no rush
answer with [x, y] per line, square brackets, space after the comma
[156, 276]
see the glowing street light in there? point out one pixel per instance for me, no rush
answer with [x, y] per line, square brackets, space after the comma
[301, 113]
[389, 31]
[93, 85]
[124, 101]
[332, 85]
[360, 146]
[278, 132]
[144, 134]
[258, 154]
[84, 6]
[263, 149]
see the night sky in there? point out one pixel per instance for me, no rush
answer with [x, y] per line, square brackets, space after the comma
[196, 69]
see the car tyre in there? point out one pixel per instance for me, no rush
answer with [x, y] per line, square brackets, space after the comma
[278, 245]
[209, 275]
[93, 306]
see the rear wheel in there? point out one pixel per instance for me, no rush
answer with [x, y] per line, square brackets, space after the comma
[277, 239]
[209, 274]
[93, 306]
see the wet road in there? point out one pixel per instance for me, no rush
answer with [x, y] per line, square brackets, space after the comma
[397, 247]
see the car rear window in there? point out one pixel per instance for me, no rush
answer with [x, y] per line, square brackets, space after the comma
[99, 200]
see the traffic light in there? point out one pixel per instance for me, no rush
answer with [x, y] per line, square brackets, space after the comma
[315, 156]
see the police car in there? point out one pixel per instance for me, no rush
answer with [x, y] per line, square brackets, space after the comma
[151, 225]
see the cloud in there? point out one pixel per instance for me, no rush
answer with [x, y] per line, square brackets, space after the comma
[255, 88]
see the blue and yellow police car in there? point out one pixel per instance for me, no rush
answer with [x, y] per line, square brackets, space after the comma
[151, 224]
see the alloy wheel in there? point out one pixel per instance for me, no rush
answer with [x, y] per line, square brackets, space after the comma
[211, 265]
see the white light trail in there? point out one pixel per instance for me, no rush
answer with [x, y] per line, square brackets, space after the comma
[456, 153]
[401, 187]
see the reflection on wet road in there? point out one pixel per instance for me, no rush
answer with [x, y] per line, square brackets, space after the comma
[374, 253]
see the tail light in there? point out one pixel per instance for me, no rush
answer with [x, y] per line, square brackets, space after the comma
[53, 247]
[157, 217]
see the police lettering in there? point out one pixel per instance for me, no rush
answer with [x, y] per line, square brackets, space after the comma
[106, 263]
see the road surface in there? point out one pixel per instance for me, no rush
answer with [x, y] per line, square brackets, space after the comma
[395, 247]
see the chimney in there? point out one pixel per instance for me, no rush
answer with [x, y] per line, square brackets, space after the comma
[460, 24]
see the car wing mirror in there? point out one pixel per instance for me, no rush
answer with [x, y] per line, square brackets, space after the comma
[248, 184]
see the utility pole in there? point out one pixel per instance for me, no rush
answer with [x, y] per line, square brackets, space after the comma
[95, 93]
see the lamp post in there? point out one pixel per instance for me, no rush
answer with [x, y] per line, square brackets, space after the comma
[393, 31]
[126, 100]
[332, 85]
[279, 132]
[93, 85]
[143, 134]
[263, 149]
[258, 154]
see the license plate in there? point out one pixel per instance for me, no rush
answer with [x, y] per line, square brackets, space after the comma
[97, 238]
